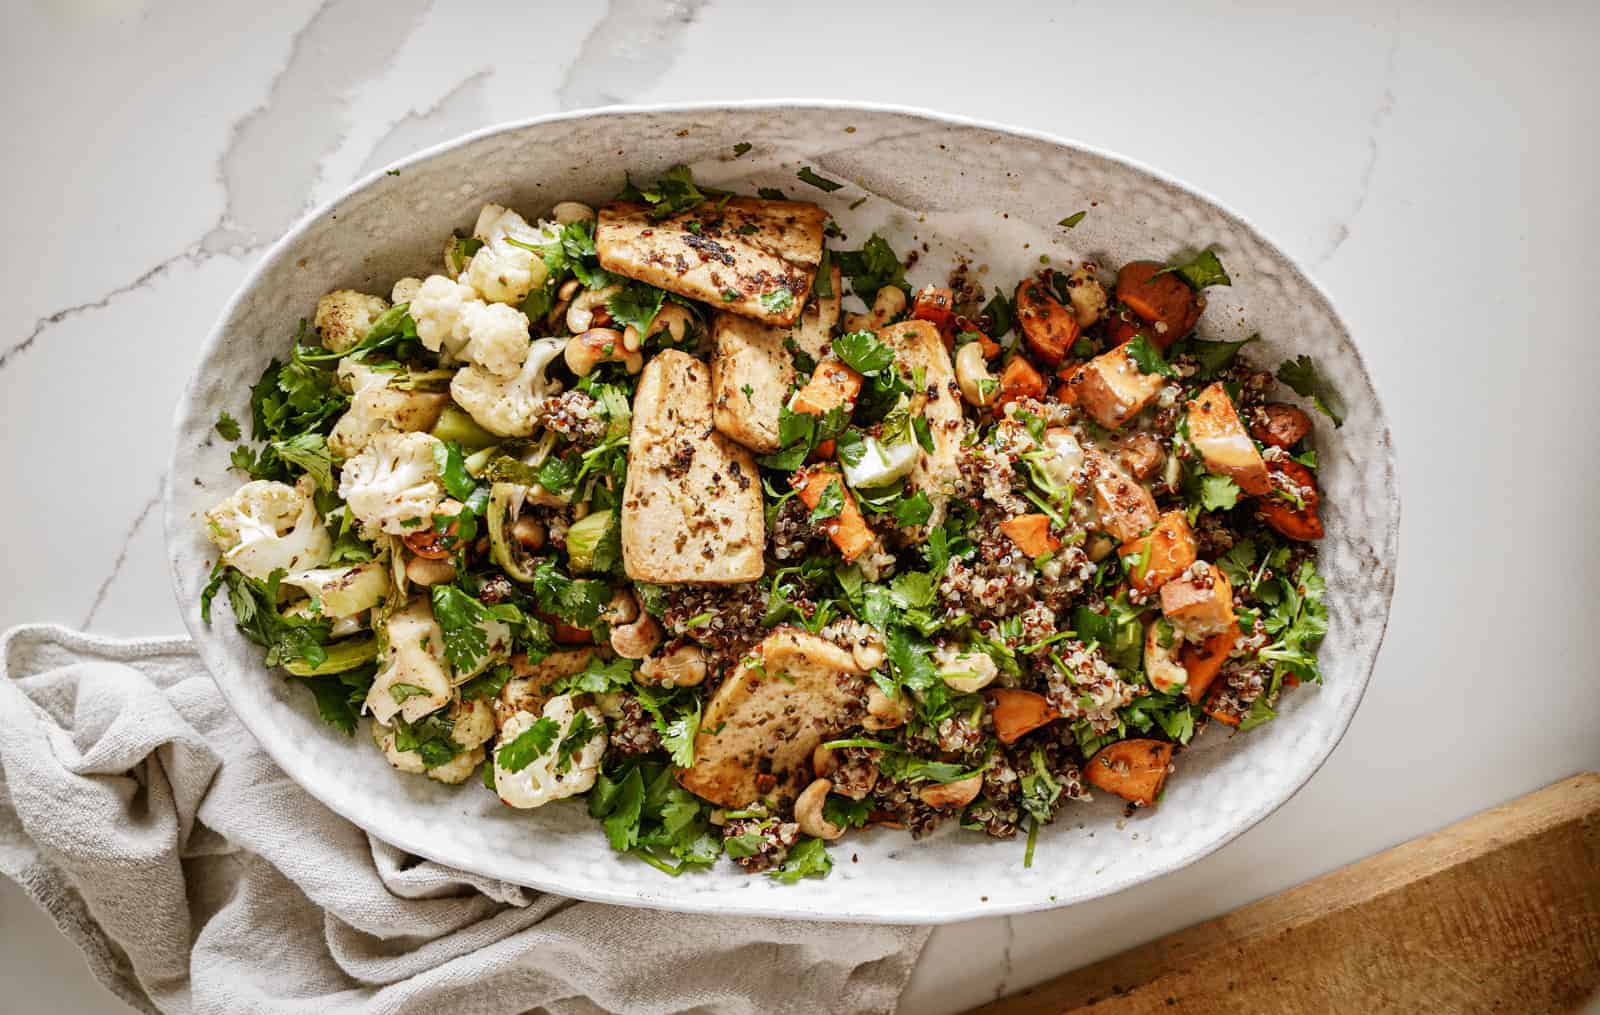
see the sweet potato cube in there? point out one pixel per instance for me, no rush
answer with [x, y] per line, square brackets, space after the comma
[848, 530]
[1032, 535]
[1018, 380]
[1112, 389]
[937, 306]
[1048, 327]
[1132, 769]
[1223, 442]
[1163, 554]
[1017, 713]
[1204, 661]
[1200, 603]
[832, 384]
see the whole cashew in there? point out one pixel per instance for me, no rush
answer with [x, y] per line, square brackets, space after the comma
[684, 666]
[808, 811]
[622, 609]
[588, 350]
[884, 712]
[568, 212]
[977, 384]
[671, 318]
[638, 639]
[580, 313]
[952, 794]
[430, 572]
[823, 761]
[887, 305]
[528, 531]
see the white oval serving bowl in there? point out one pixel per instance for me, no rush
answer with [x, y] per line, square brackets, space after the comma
[991, 193]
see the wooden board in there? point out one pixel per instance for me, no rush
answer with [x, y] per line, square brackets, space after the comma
[1498, 913]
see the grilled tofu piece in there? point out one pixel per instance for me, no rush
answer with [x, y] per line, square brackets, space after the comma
[751, 374]
[918, 346]
[760, 728]
[691, 509]
[814, 334]
[752, 257]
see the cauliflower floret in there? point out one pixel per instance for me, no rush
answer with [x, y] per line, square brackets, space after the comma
[356, 376]
[344, 317]
[415, 658]
[393, 484]
[472, 725]
[404, 290]
[504, 271]
[377, 408]
[539, 783]
[497, 337]
[437, 308]
[267, 525]
[344, 591]
[509, 407]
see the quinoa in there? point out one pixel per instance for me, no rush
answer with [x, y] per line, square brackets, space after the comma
[773, 840]
[575, 416]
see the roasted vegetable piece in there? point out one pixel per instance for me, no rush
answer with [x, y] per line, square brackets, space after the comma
[752, 257]
[1125, 508]
[1215, 432]
[919, 351]
[1291, 507]
[1134, 770]
[1048, 327]
[1112, 389]
[831, 385]
[1163, 554]
[1160, 298]
[761, 728]
[1199, 604]
[1203, 661]
[1280, 425]
[1017, 713]
[847, 529]
[936, 306]
[1018, 380]
[1031, 533]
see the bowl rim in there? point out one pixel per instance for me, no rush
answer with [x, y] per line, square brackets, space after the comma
[716, 902]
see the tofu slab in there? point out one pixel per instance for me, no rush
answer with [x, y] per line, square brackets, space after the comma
[751, 374]
[769, 715]
[918, 344]
[754, 257]
[691, 509]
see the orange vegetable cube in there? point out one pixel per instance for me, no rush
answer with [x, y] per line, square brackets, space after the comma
[1132, 769]
[1031, 533]
[848, 530]
[1163, 554]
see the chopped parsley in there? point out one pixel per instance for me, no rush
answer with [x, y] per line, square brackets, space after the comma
[820, 182]
[529, 745]
[1148, 357]
[1072, 220]
[1302, 375]
[226, 426]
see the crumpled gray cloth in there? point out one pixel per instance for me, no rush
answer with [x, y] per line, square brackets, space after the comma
[196, 877]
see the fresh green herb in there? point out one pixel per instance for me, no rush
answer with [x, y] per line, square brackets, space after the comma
[830, 503]
[777, 301]
[255, 610]
[674, 192]
[340, 697]
[528, 746]
[808, 859]
[227, 426]
[914, 510]
[465, 622]
[1073, 219]
[872, 267]
[1215, 357]
[863, 352]
[1260, 712]
[742, 147]
[1218, 493]
[636, 305]
[1203, 271]
[402, 693]
[844, 812]
[1148, 357]
[579, 733]
[1238, 562]
[430, 737]
[820, 182]
[1302, 375]
[1000, 313]
[576, 601]
[771, 193]
[1298, 623]
[488, 686]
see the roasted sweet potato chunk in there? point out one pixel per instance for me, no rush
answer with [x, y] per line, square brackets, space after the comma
[1223, 442]
[1031, 533]
[1163, 554]
[1160, 298]
[1017, 713]
[1018, 380]
[1132, 769]
[1279, 424]
[1203, 661]
[1291, 507]
[832, 384]
[847, 529]
[1199, 604]
[1112, 389]
[937, 306]
[1048, 327]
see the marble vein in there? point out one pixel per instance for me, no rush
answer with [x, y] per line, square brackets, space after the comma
[122, 554]
[1380, 116]
[1004, 980]
[634, 46]
[460, 107]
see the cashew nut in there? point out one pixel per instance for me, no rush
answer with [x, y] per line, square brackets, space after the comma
[424, 571]
[568, 212]
[952, 794]
[622, 609]
[588, 350]
[977, 384]
[884, 712]
[568, 289]
[1099, 546]
[1087, 294]
[404, 289]
[528, 532]
[675, 320]
[823, 761]
[808, 811]
[887, 305]
[638, 639]
[867, 654]
[580, 313]
[684, 666]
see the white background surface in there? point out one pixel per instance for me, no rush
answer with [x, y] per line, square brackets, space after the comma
[1434, 169]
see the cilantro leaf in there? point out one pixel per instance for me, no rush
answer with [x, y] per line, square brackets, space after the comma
[862, 352]
[771, 193]
[845, 812]
[872, 267]
[576, 601]
[227, 426]
[1073, 219]
[1203, 270]
[1000, 314]
[820, 182]
[674, 192]
[914, 510]
[1239, 563]
[1301, 374]
[1218, 493]
[1215, 357]
[528, 746]
[830, 503]
[402, 693]
[464, 621]
[777, 301]
[452, 465]
[808, 859]
[742, 147]
[637, 305]
[582, 730]
[1148, 357]
[296, 637]
[487, 687]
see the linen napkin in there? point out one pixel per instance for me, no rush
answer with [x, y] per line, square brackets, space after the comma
[196, 877]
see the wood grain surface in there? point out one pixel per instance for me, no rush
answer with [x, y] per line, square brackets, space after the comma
[1497, 913]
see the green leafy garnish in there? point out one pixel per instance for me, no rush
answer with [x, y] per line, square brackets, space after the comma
[1215, 357]
[872, 267]
[637, 305]
[255, 609]
[863, 352]
[1148, 357]
[742, 147]
[464, 621]
[227, 426]
[808, 859]
[528, 746]
[820, 182]
[777, 301]
[829, 504]
[1203, 271]
[1302, 375]
[1218, 493]
[1073, 219]
[674, 192]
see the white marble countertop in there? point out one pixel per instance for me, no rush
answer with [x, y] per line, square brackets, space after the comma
[1435, 171]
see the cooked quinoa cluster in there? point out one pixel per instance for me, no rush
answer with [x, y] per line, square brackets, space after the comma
[683, 507]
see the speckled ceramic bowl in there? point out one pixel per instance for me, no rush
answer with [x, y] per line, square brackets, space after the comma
[944, 186]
